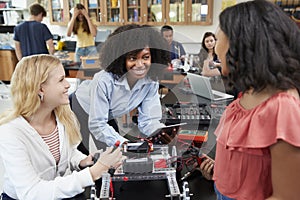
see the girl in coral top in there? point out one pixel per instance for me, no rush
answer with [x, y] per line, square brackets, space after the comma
[258, 140]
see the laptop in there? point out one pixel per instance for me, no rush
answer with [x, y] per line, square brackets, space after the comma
[201, 86]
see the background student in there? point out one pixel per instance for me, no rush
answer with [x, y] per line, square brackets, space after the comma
[39, 136]
[176, 48]
[33, 37]
[81, 25]
[137, 58]
[209, 63]
[258, 141]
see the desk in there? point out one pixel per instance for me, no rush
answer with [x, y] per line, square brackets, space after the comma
[199, 186]
[156, 186]
[8, 60]
[175, 78]
[74, 70]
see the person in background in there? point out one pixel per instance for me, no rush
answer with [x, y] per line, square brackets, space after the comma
[132, 58]
[258, 141]
[33, 37]
[209, 63]
[82, 26]
[210, 66]
[176, 48]
[39, 136]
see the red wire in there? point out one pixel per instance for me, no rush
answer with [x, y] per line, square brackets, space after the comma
[111, 188]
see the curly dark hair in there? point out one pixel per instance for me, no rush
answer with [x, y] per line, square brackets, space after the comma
[264, 46]
[131, 39]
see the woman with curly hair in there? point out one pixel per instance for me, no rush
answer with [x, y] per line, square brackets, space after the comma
[133, 59]
[258, 141]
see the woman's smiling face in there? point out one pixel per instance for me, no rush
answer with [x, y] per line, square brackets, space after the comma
[138, 65]
[210, 42]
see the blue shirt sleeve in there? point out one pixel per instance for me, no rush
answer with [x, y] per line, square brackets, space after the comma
[182, 51]
[46, 33]
[99, 112]
[110, 99]
[150, 112]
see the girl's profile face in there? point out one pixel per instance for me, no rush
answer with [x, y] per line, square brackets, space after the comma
[221, 49]
[210, 42]
[138, 64]
[55, 88]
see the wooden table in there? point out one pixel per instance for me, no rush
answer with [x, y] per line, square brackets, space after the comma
[75, 70]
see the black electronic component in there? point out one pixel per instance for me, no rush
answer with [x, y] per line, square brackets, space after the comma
[137, 147]
[138, 166]
[198, 114]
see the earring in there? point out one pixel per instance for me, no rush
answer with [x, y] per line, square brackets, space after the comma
[41, 97]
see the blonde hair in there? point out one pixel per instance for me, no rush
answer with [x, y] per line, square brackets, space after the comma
[26, 81]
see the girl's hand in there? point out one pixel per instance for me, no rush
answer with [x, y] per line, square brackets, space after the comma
[206, 167]
[111, 157]
[108, 159]
[208, 70]
[76, 12]
[88, 161]
[84, 13]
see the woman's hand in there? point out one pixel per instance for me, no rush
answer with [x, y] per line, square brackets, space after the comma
[206, 167]
[108, 159]
[76, 12]
[84, 13]
[88, 161]
[207, 71]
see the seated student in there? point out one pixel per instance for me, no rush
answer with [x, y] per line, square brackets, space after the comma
[132, 58]
[209, 63]
[39, 136]
[176, 48]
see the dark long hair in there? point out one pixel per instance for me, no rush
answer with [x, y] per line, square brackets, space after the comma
[206, 35]
[264, 46]
[131, 39]
[85, 24]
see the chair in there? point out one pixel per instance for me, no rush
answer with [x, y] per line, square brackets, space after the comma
[83, 118]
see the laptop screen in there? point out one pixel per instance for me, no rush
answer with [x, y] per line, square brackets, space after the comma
[201, 86]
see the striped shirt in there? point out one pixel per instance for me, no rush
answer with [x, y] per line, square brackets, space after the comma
[52, 140]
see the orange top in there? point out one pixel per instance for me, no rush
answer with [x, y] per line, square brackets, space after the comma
[243, 163]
